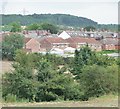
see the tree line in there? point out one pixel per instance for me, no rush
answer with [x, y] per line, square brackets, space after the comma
[57, 19]
[16, 27]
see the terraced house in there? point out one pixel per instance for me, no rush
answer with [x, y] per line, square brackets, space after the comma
[53, 42]
[110, 44]
[78, 42]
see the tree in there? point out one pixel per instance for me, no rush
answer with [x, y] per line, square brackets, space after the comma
[21, 81]
[6, 27]
[55, 86]
[82, 57]
[10, 44]
[90, 28]
[49, 27]
[16, 27]
[33, 27]
[85, 56]
[54, 60]
[104, 60]
[36, 79]
[98, 80]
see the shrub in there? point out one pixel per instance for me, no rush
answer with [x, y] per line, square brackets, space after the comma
[10, 98]
[97, 80]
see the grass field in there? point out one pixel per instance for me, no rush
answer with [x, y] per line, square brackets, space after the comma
[104, 101]
[109, 51]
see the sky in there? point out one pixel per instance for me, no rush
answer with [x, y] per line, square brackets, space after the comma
[101, 11]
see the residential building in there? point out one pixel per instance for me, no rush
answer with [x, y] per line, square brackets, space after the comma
[32, 45]
[53, 42]
[110, 44]
[78, 42]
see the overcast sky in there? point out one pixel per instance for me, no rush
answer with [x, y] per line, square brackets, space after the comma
[101, 11]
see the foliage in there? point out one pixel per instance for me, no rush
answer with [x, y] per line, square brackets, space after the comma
[11, 98]
[7, 27]
[87, 57]
[49, 27]
[44, 26]
[33, 27]
[10, 44]
[20, 82]
[118, 61]
[83, 57]
[54, 85]
[36, 79]
[90, 28]
[16, 27]
[97, 80]
[109, 51]
[57, 19]
[104, 60]
[54, 59]
[25, 61]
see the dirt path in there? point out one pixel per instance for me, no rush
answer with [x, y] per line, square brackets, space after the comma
[5, 66]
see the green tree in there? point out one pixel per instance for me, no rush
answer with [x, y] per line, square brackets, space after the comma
[21, 82]
[104, 60]
[49, 27]
[85, 57]
[36, 79]
[10, 44]
[33, 27]
[6, 27]
[16, 27]
[98, 80]
[55, 86]
[90, 28]
[82, 57]
[54, 60]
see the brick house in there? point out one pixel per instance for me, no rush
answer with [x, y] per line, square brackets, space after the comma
[31, 45]
[78, 42]
[36, 33]
[53, 42]
[110, 44]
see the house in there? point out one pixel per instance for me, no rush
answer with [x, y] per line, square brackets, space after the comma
[53, 42]
[110, 44]
[64, 35]
[36, 33]
[31, 45]
[78, 42]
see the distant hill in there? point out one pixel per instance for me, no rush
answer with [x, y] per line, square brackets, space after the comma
[58, 19]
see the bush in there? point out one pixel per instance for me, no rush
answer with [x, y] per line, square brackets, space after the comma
[10, 98]
[51, 96]
[13, 98]
[10, 44]
[73, 92]
[97, 80]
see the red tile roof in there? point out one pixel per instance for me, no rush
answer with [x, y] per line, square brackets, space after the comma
[55, 40]
[27, 40]
[83, 40]
[114, 41]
